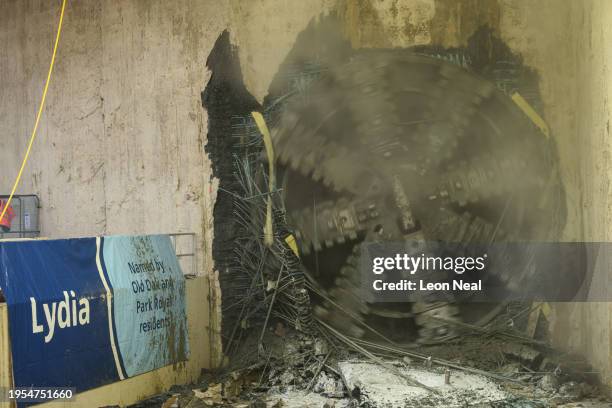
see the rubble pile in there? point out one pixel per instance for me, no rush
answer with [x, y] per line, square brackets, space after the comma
[298, 370]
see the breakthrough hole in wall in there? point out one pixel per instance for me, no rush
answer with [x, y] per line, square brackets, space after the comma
[254, 273]
[319, 47]
[322, 54]
[224, 98]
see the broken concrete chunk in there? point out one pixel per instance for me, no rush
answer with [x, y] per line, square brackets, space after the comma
[377, 386]
[324, 383]
[328, 386]
[271, 285]
[212, 395]
[287, 378]
[305, 399]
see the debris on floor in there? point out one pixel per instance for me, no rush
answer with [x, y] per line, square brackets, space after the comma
[296, 370]
[379, 387]
[281, 365]
[306, 399]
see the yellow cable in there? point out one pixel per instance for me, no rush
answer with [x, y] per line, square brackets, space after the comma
[267, 138]
[40, 110]
[531, 113]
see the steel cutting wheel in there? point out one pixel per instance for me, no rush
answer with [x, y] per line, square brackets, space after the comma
[394, 146]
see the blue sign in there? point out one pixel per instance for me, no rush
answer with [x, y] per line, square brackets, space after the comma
[148, 302]
[88, 312]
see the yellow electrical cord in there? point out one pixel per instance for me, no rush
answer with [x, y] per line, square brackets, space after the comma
[267, 138]
[40, 110]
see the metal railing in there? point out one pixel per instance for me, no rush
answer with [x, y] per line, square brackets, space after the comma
[26, 223]
[184, 244]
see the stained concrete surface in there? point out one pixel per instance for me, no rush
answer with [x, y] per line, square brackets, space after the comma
[120, 148]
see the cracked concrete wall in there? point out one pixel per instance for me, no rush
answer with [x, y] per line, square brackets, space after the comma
[120, 148]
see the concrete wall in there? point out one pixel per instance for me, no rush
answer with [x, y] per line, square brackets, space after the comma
[120, 148]
[587, 328]
[134, 389]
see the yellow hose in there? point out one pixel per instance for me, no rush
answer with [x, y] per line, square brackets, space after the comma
[40, 110]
